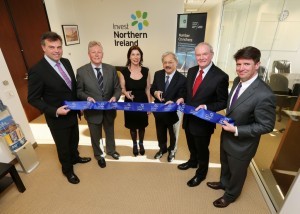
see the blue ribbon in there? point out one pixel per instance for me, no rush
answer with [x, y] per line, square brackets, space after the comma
[149, 107]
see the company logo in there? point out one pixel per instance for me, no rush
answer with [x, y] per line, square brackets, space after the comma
[139, 19]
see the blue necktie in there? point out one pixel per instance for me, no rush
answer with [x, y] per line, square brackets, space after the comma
[236, 94]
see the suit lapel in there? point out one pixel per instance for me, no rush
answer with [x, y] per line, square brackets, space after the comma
[244, 96]
[54, 74]
[173, 82]
[206, 81]
[92, 75]
[192, 79]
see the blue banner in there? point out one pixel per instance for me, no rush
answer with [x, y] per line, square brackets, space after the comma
[149, 107]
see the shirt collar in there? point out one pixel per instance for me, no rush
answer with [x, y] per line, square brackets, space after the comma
[170, 75]
[50, 61]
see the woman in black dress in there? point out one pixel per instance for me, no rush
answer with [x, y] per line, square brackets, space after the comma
[135, 84]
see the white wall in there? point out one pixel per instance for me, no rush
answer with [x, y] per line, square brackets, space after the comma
[95, 19]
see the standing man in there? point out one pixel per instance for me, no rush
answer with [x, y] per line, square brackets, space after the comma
[251, 105]
[207, 87]
[51, 82]
[168, 86]
[97, 81]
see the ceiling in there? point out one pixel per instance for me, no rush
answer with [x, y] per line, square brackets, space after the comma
[195, 6]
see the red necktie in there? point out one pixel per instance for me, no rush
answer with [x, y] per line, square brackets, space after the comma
[197, 82]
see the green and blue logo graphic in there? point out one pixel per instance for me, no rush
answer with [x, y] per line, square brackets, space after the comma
[139, 19]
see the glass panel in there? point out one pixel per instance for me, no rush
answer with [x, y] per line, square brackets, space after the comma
[273, 27]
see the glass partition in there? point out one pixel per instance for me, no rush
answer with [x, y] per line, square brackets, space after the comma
[273, 27]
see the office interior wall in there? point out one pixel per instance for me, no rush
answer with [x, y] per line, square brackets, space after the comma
[95, 21]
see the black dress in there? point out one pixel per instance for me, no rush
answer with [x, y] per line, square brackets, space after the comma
[136, 120]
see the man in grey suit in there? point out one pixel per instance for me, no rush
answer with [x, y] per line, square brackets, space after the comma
[251, 104]
[97, 81]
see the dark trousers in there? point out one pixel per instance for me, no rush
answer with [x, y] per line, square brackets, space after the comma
[199, 152]
[96, 135]
[233, 175]
[66, 141]
[161, 132]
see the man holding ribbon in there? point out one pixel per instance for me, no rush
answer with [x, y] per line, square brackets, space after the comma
[51, 82]
[207, 88]
[97, 81]
[251, 105]
[168, 86]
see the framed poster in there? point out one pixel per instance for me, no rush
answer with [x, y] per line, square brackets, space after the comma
[71, 34]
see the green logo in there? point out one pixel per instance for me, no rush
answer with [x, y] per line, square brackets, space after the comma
[139, 19]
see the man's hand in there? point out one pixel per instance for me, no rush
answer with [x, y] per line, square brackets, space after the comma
[180, 101]
[228, 127]
[200, 107]
[113, 99]
[90, 99]
[169, 102]
[158, 95]
[63, 110]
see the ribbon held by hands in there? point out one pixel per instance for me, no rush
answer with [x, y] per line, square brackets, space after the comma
[149, 107]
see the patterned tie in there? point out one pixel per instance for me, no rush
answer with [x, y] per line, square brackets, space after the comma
[100, 78]
[197, 82]
[236, 94]
[167, 82]
[64, 75]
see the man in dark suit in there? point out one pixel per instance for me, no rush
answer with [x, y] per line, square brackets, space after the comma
[97, 81]
[168, 86]
[51, 82]
[251, 104]
[207, 87]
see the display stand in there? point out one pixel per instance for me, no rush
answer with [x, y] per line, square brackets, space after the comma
[12, 136]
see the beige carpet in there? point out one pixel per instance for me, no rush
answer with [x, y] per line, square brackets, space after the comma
[130, 185]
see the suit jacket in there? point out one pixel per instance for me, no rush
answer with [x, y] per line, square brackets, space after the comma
[213, 92]
[253, 114]
[47, 91]
[175, 90]
[87, 86]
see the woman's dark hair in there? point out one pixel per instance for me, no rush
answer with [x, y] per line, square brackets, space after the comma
[134, 47]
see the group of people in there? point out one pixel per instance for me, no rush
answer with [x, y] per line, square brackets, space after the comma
[250, 103]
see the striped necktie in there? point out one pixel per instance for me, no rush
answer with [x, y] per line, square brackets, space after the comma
[167, 82]
[100, 78]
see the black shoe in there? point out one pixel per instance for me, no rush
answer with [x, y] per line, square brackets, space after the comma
[115, 155]
[215, 185]
[186, 165]
[221, 202]
[160, 153]
[135, 150]
[142, 149]
[102, 163]
[82, 160]
[195, 181]
[72, 178]
[171, 156]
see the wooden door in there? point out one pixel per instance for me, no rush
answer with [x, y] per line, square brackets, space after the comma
[24, 22]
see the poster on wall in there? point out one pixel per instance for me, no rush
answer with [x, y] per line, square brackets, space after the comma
[190, 32]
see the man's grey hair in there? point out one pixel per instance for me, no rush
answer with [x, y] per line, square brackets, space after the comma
[207, 44]
[169, 53]
[94, 43]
